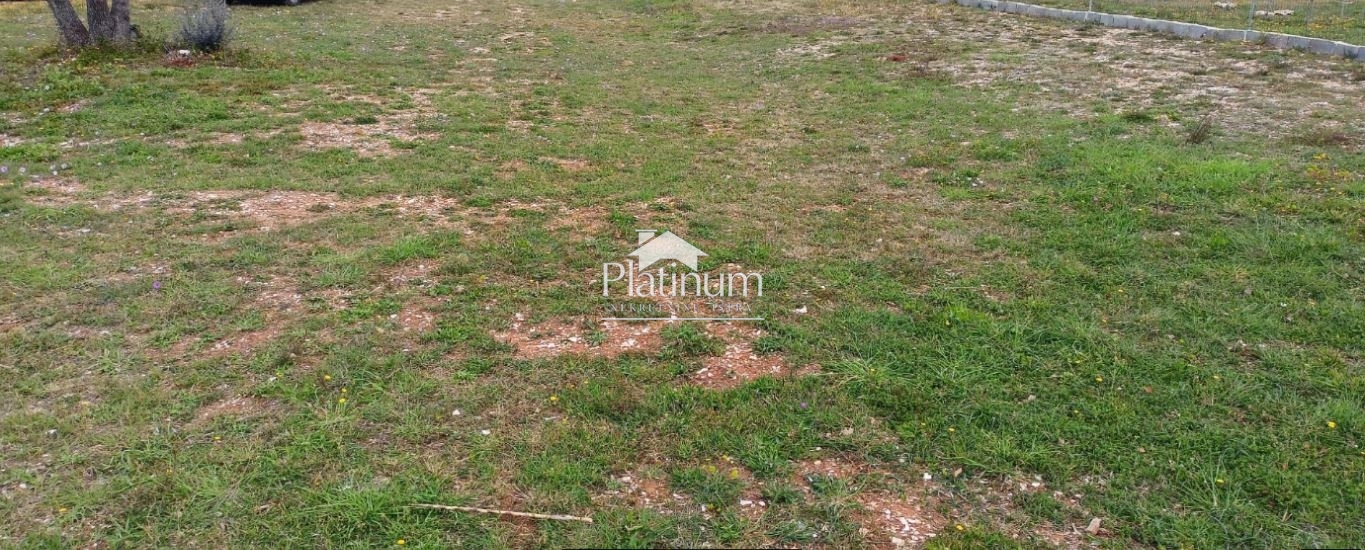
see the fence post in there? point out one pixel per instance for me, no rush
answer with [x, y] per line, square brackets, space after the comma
[1251, 21]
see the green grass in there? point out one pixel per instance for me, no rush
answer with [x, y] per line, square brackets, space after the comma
[1167, 334]
[1335, 20]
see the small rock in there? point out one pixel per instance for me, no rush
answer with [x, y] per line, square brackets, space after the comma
[1094, 527]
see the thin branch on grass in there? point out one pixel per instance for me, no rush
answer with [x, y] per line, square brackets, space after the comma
[556, 517]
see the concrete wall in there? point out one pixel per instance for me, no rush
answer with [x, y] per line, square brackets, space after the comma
[1184, 30]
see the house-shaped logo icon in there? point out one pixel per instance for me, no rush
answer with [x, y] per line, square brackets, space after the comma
[665, 247]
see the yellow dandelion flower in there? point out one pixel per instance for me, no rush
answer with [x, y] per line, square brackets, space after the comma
[402, 542]
[1099, 378]
[1219, 481]
[344, 390]
[326, 377]
[734, 473]
[554, 398]
[342, 401]
[61, 510]
[1331, 424]
[952, 429]
[960, 527]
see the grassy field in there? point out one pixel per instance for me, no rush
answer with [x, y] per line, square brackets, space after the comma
[1332, 19]
[1019, 275]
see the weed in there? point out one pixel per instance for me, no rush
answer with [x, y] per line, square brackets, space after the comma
[689, 340]
[1201, 131]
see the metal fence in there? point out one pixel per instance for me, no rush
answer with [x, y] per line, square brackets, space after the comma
[1342, 20]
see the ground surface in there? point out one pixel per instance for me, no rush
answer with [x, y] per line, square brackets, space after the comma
[1342, 20]
[1020, 276]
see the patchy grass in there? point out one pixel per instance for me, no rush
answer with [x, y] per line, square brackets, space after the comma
[275, 295]
[1344, 21]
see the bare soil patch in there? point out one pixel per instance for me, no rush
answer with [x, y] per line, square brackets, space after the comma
[237, 407]
[646, 488]
[58, 185]
[889, 518]
[740, 363]
[555, 338]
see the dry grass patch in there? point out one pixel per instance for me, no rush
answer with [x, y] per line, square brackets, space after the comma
[366, 140]
[58, 185]
[240, 408]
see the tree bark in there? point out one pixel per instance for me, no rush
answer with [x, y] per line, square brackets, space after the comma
[105, 23]
[123, 20]
[73, 32]
[100, 23]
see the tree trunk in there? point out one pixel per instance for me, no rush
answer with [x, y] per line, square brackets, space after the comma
[73, 32]
[100, 23]
[106, 23]
[123, 20]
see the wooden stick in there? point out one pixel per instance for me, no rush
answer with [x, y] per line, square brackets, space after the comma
[558, 517]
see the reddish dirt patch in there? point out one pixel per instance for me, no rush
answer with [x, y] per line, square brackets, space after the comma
[644, 489]
[834, 468]
[740, 363]
[897, 520]
[279, 294]
[414, 318]
[552, 339]
[889, 517]
[410, 274]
